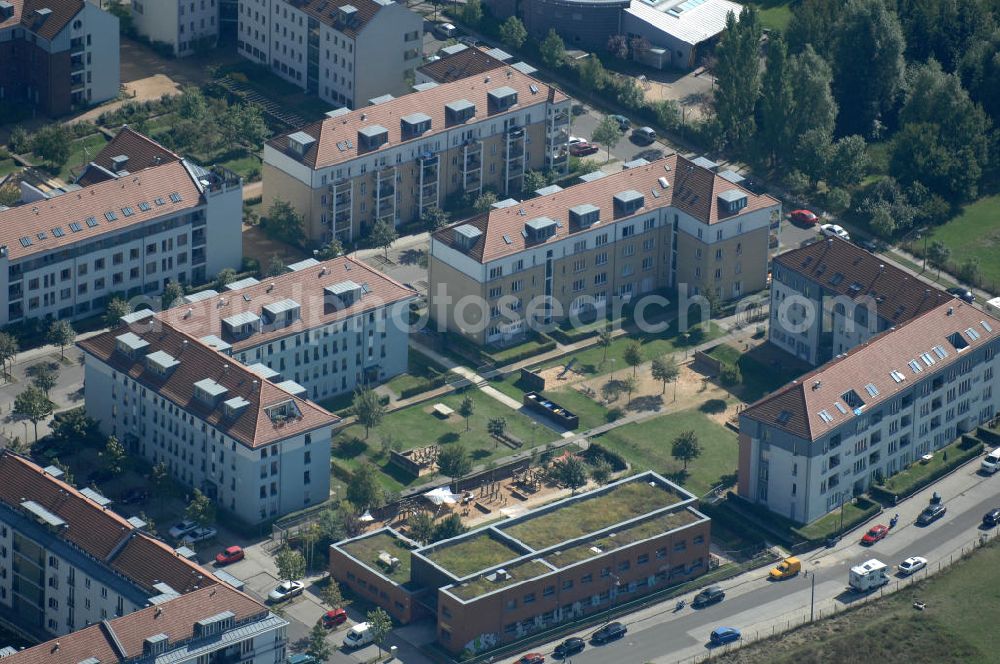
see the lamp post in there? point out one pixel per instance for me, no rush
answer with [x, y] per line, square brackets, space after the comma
[812, 596]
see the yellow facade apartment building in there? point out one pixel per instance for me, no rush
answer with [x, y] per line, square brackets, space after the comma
[659, 225]
[396, 159]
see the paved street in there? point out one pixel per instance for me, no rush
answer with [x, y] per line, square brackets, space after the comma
[758, 606]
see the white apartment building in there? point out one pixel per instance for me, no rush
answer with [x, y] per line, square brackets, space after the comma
[67, 560]
[344, 52]
[870, 413]
[186, 25]
[254, 447]
[139, 218]
[216, 624]
[57, 55]
[320, 330]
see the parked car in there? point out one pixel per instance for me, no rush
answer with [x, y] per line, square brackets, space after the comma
[445, 30]
[359, 636]
[873, 245]
[623, 122]
[182, 528]
[931, 514]
[200, 534]
[532, 658]
[643, 135]
[609, 632]
[963, 294]
[992, 518]
[573, 140]
[721, 635]
[709, 595]
[570, 646]
[471, 42]
[229, 555]
[786, 569]
[875, 534]
[286, 590]
[583, 149]
[911, 565]
[334, 617]
[136, 494]
[301, 658]
[835, 230]
[807, 217]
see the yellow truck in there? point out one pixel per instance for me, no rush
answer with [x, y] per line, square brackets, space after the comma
[786, 569]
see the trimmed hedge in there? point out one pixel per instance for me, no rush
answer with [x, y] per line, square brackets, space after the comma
[869, 508]
[540, 344]
[967, 448]
[597, 451]
[432, 384]
[988, 436]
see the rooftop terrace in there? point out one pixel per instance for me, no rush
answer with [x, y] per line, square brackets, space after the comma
[367, 550]
[472, 554]
[567, 521]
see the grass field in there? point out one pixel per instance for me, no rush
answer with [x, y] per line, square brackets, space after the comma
[367, 550]
[975, 234]
[957, 626]
[591, 413]
[647, 444]
[775, 14]
[7, 166]
[473, 554]
[759, 378]
[421, 371]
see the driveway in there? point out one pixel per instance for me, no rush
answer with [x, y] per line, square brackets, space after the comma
[626, 149]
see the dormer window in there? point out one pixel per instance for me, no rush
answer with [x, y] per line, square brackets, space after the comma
[466, 236]
[281, 313]
[282, 411]
[539, 229]
[242, 325]
[131, 345]
[162, 364]
[629, 202]
[209, 391]
[233, 407]
[732, 201]
[459, 111]
[372, 137]
[342, 294]
[502, 98]
[299, 143]
[415, 124]
[584, 216]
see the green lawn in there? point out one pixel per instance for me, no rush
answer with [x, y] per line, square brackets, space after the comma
[415, 427]
[832, 523]
[82, 151]
[7, 166]
[975, 234]
[473, 554]
[591, 413]
[421, 372]
[367, 550]
[522, 571]
[931, 273]
[950, 455]
[646, 446]
[759, 378]
[622, 537]
[248, 166]
[775, 14]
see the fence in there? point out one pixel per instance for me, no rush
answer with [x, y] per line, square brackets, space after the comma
[829, 607]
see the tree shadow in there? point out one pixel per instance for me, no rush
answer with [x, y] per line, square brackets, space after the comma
[648, 402]
[678, 476]
[351, 448]
[33, 370]
[411, 256]
[450, 437]
[713, 406]
[480, 454]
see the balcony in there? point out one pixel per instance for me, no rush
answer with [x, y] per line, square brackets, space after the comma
[472, 163]
[560, 119]
[515, 151]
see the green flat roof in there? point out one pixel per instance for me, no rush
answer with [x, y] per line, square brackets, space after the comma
[367, 549]
[592, 513]
[634, 533]
[471, 554]
[522, 571]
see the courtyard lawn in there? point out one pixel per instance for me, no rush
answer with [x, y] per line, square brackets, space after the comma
[591, 413]
[422, 374]
[81, 151]
[647, 446]
[760, 377]
[975, 234]
[8, 166]
[835, 522]
[775, 14]
[473, 554]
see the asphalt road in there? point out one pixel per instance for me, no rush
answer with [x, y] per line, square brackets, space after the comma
[758, 606]
[624, 150]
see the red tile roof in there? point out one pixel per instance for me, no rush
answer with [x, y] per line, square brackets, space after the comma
[252, 426]
[62, 12]
[796, 407]
[847, 269]
[142, 152]
[27, 221]
[148, 561]
[326, 11]
[467, 62]
[306, 286]
[692, 189]
[343, 129]
[122, 638]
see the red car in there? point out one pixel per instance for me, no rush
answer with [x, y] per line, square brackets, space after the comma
[875, 534]
[582, 149]
[334, 617]
[229, 555]
[531, 658]
[803, 217]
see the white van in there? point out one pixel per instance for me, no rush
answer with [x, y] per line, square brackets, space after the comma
[445, 30]
[359, 635]
[991, 463]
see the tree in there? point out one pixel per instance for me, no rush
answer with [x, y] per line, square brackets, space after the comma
[160, 475]
[980, 72]
[737, 76]
[883, 223]
[318, 648]
[332, 595]
[665, 370]
[812, 23]
[172, 293]
[244, 124]
[33, 405]
[867, 59]
[454, 461]
[201, 510]
[607, 134]
[938, 254]
[114, 456]
[629, 384]
[74, 426]
[421, 527]
[331, 249]
[848, 162]
[968, 271]
[191, 104]
[362, 488]
[601, 471]
[450, 526]
[466, 410]
[291, 564]
[533, 181]
[552, 49]
[472, 13]
[10, 194]
[381, 625]
[383, 235]
[114, 310]
[776, 102]
[604, 339]
[435, 218]
[572, 473]
[368, 408]
[44, 376]
[730, 374]
[513, 33]
[275, 266]
[52, 143]
[484, 201]
[592, 73]
[284, 223]
[20, 140]
[225, 276]
[496, 427]
[633, 355]
[686, 448]
[811, 81]
[331, 525]
[618, 46]
[9, 348]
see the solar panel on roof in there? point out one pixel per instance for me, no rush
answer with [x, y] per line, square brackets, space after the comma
[175, 197]
[144, 206]
[75, 227]
[58, 232]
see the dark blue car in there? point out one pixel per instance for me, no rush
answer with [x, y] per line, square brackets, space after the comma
[721, 635]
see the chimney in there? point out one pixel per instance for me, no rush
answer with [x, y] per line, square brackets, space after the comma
[817, 384]
[6, 10]
[951, 311]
